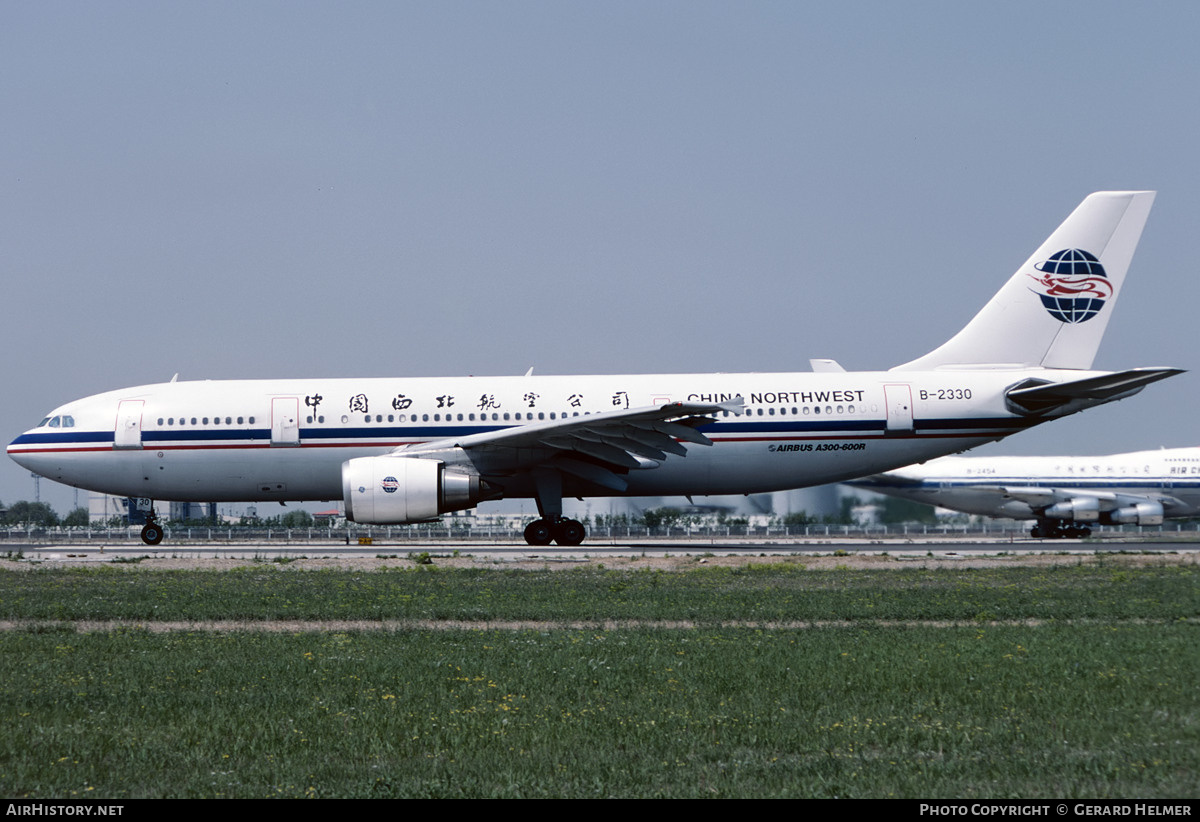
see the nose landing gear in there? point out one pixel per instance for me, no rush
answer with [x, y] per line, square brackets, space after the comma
[152, 532]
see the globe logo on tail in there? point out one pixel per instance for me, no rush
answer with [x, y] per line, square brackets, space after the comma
[1072, 285]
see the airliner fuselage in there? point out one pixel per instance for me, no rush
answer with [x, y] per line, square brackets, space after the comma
[287, 439]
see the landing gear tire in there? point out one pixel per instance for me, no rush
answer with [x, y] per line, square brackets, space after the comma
[569, 532]
[539, 532]
[152, 533]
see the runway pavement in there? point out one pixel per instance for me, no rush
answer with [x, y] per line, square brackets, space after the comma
[511, 550]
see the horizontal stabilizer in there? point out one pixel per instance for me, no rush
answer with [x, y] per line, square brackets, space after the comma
[1076, 395]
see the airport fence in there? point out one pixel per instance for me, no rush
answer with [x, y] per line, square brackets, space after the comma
[486, 532]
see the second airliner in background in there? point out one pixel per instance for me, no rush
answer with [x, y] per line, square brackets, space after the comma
[1065, 495]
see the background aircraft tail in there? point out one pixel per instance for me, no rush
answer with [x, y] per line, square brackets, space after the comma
[1054, 310]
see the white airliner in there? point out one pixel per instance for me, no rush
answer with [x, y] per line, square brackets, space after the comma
[406, 450]
[1066, 495]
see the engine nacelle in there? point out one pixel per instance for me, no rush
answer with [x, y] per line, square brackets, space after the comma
[1142, 513]
[1081, 509]
[396, 490]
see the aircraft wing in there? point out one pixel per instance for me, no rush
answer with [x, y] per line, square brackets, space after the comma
[594, 447]
[1041, 498]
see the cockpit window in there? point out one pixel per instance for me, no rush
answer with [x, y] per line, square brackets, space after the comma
[60, 421]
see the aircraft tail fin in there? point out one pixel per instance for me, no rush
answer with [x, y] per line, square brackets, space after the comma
[1054, 310]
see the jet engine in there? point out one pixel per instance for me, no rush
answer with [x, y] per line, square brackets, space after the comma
[1142, 513]
[1080, 509]
[396, 490]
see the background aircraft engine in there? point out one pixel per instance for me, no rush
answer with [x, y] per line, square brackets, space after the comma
[1080, 510]
[1143, 513]
[395, 490]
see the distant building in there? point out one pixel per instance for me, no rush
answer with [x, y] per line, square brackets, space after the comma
[195, 511]
[103, 507]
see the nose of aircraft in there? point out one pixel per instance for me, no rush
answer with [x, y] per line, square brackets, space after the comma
[19, 455]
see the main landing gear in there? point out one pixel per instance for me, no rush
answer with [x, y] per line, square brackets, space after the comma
[552, 525]
[1057, 529]
[562, 531]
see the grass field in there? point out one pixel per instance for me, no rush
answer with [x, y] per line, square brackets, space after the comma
[1046, 680]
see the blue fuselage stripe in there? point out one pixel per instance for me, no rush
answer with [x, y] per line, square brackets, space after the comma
[366, 434]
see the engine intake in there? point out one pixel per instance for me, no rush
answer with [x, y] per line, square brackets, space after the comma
[396, 490]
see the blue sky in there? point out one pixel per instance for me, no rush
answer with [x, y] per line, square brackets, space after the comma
[266, 189]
